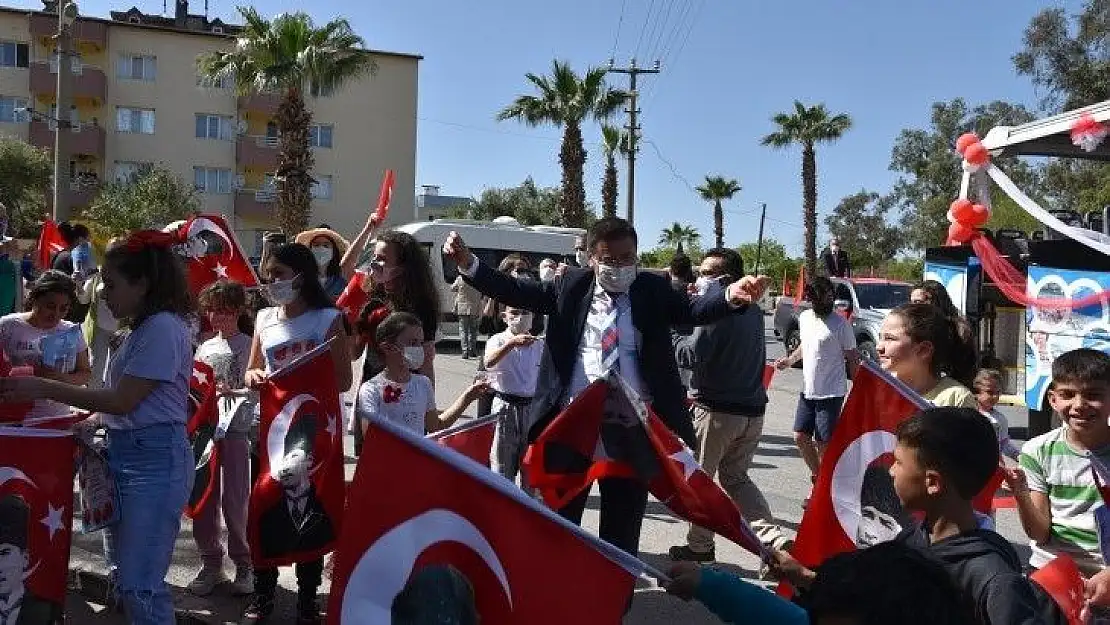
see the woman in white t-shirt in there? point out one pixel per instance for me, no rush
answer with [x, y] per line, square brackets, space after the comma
[43, 339]
[827, 351]
[303, 317]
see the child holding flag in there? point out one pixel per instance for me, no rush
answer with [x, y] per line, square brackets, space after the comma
[513, 365]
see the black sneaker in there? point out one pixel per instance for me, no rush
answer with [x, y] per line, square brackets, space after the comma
[683, 553]
[259, 609]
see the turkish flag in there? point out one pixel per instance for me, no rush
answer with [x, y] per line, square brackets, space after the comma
[202, 429]
[607, 431]
[36, 513]
[353, 298]
[472, 438]
[212, 252]
[1063, 582]
[50, 243]
[1101, 474]
[385, 197]
[421, 505]
[56, 422]
[13, 412]
[296, 506]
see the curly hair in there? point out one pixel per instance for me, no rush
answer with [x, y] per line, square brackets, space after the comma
[415, 291]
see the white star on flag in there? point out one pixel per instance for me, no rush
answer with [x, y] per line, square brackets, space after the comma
[220, 270]
[686, 458]
[202, 378]
[53, 519]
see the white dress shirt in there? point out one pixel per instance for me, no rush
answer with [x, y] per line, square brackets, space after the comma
[588, 367]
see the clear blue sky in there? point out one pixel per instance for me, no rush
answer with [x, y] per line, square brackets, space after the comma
[882, 62]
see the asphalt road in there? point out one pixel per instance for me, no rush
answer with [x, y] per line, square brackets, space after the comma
[777, 469]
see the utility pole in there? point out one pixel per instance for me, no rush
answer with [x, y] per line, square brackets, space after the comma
[632, 127]
[759, 246]
[63, 48]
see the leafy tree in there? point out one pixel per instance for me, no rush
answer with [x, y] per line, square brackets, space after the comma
[931, 172]
[527, 203]
[564, 99]
[152, 198]
[613, 141]
[859, 221]
[290, 54]
[774, 262]
[808, 126]
[910, 269]
[715, 190]
[679, 234]
[25, 179]
[661, 257]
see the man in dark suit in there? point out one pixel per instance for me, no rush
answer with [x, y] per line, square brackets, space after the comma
[607, 316]
[298, 522]
[17, 605]
[836, 260]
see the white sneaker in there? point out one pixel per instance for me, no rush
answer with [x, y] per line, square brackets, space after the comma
[244, 581]
[206, 581]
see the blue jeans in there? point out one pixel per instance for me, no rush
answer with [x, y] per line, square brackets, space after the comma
[153, 469]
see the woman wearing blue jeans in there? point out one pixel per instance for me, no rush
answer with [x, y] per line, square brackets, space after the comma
[143, 406]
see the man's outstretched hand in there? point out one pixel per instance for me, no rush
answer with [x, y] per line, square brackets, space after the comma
[747, 290]
[456, 249]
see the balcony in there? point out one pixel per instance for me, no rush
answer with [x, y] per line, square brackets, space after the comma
[256, 203]
[45, 26]
[88, 80]
[263, 102]
[82, 191]
[85, 139]
[257, 152]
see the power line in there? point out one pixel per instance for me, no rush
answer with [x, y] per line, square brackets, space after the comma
[693, 22]
[657, 34]
[643, 29]
[672, 36]
[620, 22]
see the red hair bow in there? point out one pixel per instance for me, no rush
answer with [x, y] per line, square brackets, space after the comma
[137, 241]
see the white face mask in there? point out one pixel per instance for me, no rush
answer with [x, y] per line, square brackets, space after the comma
[281, 292]
[581, 258]
[616, 279]
[519, 324]
[414, 356]
[323, 254]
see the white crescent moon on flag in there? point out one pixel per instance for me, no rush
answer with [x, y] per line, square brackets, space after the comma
[201, 224]
[275, 438]
[11, 473]
[847, 478]
[384, 568]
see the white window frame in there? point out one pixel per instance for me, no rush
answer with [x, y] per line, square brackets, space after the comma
[328, 186]
[224, 126]
[213, 180]
[148, 67]
[314, 136]
[15, 54]
[14, 117]
[136, 120]
[125, 170]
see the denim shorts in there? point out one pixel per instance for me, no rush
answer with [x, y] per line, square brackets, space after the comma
[817, 417]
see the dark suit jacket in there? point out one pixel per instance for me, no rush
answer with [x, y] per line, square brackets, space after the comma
[280, 536]
[842, 268]
[656, 307]
[36, 611]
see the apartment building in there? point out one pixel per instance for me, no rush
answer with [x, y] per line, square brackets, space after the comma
[137, 98]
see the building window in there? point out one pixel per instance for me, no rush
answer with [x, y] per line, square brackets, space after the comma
[134, 120]
[127, 171]
[14, 54]
[212, 179]
[319, 135]
[321, 189]
[215, 127]
[8, 112]
[137, 67]
[224, 82]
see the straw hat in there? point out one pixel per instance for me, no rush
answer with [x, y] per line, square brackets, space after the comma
[305, 238]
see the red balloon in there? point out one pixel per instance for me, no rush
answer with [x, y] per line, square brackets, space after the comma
[976, 154]
[966, 139]
[961, 210]
[960, 233]
[979, 215]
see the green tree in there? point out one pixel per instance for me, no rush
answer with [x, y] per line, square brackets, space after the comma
[930, 168]
[289, 55]
[774, 262]
[25, 175]
[613, 141]
[661, 257]
[528, 203]
[717, 189]
[910, 269]
[152, 198]
[859, 221]
[564, 99]
[679, 234]
[808, 126]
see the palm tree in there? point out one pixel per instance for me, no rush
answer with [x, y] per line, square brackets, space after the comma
[808, 126]
[716, 189]
[289, 55]
[678, 235]
[564, 99]
[613, 141]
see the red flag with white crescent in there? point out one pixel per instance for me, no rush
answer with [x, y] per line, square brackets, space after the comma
[201, 429]
[354, 296]
[296, 506]
[50, 243]
[36, 510]
[421, 506]
[212, 252]
[472, 438]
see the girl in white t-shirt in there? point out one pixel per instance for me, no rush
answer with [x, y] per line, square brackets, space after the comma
[399, 395]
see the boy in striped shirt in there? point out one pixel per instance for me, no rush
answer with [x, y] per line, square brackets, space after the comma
[1057, 500]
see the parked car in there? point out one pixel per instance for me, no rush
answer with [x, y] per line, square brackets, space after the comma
[865, 302]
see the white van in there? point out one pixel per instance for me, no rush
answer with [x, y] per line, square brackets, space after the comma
[491, 242]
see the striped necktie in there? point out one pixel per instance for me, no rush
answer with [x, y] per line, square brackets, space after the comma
[610, 335]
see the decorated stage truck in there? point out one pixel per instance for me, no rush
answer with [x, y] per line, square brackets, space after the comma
[1029, 296]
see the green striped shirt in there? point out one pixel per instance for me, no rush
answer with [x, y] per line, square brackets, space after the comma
[1062, 472]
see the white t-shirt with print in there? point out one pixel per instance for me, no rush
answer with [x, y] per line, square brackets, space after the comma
[22, 342]
[824, 342]
[403, 404]
[518, 372]
[283, 340]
